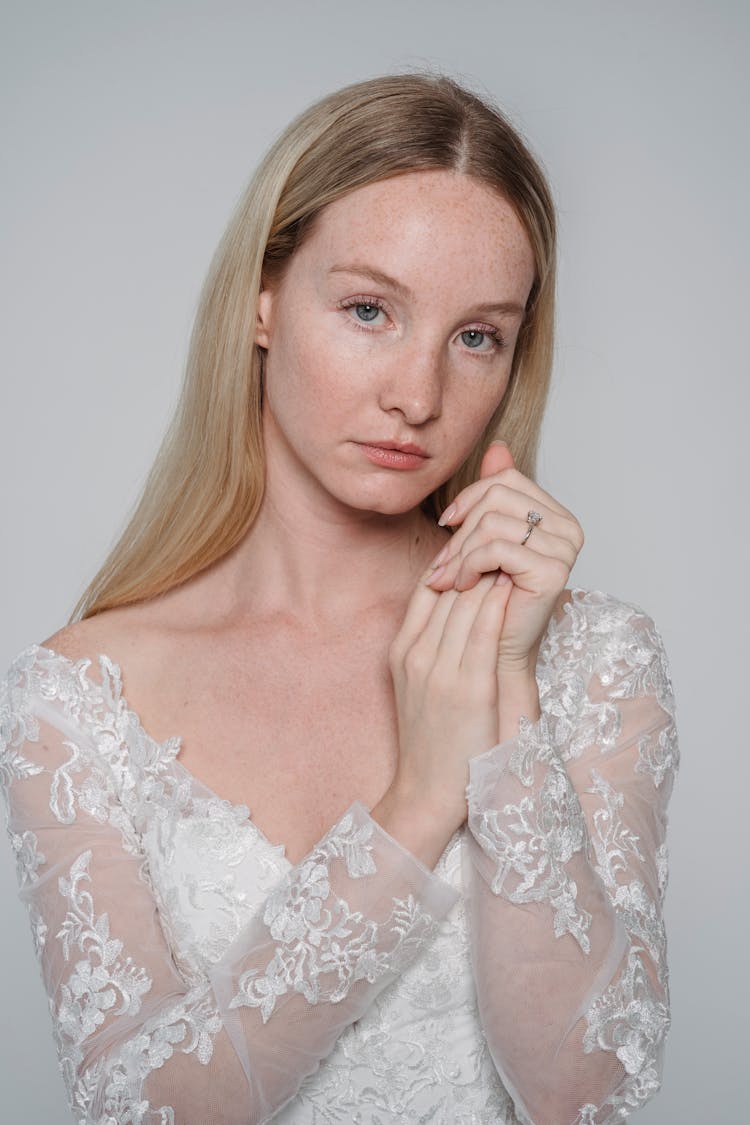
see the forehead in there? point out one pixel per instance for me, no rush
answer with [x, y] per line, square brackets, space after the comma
[424, 226]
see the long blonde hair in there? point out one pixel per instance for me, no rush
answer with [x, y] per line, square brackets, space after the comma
[206, 484]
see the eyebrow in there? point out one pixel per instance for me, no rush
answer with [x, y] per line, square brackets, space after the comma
[405, 292]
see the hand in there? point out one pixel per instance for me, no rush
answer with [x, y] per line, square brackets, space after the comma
[490, 515]
[443, 664]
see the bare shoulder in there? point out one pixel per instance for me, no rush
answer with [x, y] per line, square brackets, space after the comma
[127, 635]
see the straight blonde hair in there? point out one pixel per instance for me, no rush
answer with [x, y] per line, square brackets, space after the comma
[206, 485]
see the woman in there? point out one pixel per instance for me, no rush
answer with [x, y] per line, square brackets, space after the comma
[333, 803]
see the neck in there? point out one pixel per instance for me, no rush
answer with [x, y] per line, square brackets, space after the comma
[319, 562]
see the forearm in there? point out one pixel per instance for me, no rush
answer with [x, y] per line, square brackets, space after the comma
[572, 993]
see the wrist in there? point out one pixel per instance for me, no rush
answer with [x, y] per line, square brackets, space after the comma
[423, 829]
[518, 695]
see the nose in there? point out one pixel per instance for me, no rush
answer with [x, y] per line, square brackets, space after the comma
[413, 384]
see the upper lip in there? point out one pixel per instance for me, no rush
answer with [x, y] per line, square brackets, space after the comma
[401, 446]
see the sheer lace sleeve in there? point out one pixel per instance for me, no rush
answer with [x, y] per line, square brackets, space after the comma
[137, 1042]
[569, 869]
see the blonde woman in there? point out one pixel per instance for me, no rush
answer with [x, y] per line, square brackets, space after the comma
[333, 803]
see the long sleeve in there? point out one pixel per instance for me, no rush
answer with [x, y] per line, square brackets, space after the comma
[138, 1040]
[569, 870]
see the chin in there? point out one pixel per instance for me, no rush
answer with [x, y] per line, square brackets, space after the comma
[396, 504]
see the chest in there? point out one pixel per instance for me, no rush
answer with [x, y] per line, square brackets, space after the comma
[294, 731]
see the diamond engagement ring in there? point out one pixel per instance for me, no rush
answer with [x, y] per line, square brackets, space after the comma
[533, 518]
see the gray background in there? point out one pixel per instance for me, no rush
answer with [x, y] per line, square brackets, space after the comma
[129, 131]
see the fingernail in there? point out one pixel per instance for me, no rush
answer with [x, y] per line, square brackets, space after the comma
[447, 515]
[435, 575]
[502, 579]
[499, 442]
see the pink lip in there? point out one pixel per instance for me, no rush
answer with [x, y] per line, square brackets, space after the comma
[394, 454]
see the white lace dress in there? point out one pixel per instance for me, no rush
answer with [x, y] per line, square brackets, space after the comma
[195, 975]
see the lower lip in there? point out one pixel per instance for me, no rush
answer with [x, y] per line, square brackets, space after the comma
[393, 458]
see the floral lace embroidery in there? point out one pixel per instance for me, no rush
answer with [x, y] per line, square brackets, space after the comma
[28, 857]
[659, 758]
[127, 763]
[630, 1019]
[316, 940]
[97, 983]
[190, 1025]
[539, 843]
[612, 841]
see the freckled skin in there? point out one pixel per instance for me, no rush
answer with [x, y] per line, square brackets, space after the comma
[329, 384]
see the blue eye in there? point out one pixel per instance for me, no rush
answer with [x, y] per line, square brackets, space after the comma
[470, 336]
[371, 311]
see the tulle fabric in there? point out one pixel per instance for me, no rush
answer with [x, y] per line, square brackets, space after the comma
[194, 975]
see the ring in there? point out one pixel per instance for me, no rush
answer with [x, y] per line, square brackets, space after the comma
[533, 518]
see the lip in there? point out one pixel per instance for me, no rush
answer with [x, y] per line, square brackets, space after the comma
[400, 446]
[394, 454]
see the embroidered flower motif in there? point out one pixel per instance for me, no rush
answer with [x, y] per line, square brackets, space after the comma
[628, 1018]
[323, 945]
[93, 987]
[546, 832]
[28, 857]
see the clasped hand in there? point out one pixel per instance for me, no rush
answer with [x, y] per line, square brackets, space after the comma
[474, 623]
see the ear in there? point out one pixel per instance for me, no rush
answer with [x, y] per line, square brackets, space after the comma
[263, 322]
[497, 457]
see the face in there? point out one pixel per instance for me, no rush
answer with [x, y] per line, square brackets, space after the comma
[390, 340]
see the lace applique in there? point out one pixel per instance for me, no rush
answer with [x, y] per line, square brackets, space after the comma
[28, 861]
[419, 1052]
[618, 643]
[28, 857]
[611, 838]
[662, 869]
[190, 1026]
[315, 939]
[630, 1019]
[612, 841]
[539, 843]
[659, 758]
[16, 727]
[95, 984]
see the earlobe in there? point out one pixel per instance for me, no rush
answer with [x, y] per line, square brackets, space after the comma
[263, 321]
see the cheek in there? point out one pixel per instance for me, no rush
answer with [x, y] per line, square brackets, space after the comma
[476, 405]
[307, 378]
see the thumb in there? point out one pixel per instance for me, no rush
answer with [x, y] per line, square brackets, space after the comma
[497, 457]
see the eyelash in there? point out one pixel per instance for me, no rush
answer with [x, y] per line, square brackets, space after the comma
[376, 302]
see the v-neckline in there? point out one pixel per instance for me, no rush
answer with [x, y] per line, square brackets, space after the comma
[241, 811]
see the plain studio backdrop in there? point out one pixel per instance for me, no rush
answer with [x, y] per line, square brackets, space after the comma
[130, 129]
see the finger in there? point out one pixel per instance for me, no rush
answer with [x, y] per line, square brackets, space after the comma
[418, 612]
[489, 557]
[428, 642]
[510, 478]
[459, 622]
[556, 537]
[480, 652]
[496, 457]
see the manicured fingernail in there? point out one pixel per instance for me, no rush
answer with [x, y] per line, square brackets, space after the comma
[447, 515]
[435, 575]
[502, 579]
[499, 442]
